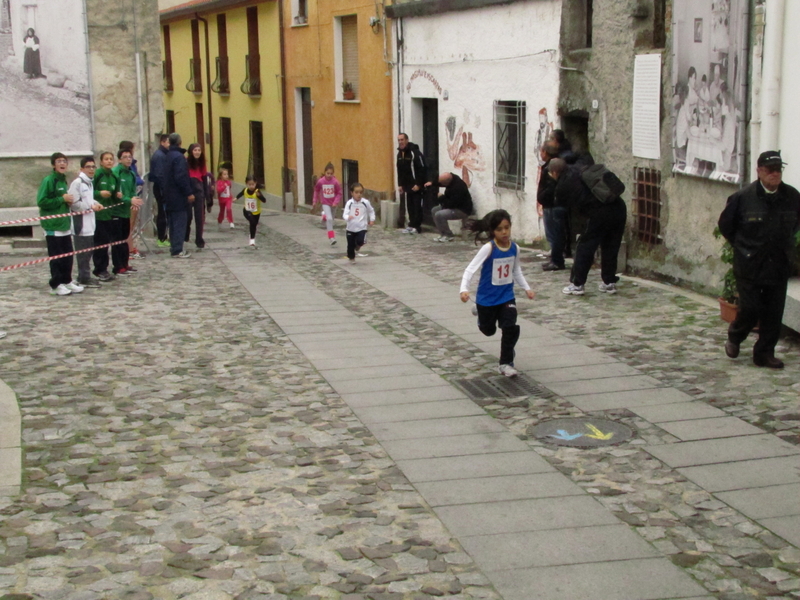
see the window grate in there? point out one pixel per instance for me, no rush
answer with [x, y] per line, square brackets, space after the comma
[647, 205]
[510, 125]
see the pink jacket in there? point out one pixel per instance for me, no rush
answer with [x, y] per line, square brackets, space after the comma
[224, 189]
[328, 191]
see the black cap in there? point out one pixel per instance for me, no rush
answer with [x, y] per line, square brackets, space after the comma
[770, 158]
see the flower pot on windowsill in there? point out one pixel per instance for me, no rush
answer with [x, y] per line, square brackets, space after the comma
[349, 95]
[727, 310]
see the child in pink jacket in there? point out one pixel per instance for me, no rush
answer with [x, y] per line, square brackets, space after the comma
[328, 192]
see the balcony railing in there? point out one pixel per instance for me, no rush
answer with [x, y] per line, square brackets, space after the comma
[222, 84]
[195, 83]
[166, 71]
[252, 83]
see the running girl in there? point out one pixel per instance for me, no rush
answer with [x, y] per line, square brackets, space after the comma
[359, 214]
[225, 197]
[328, 192]
[499, 266]
[253, 199]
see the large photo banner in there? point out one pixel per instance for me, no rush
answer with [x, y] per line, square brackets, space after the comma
[44, 78]
[709, 71]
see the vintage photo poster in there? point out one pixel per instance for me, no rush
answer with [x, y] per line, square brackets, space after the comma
[44, 78]
[708, 100]
[646, 126]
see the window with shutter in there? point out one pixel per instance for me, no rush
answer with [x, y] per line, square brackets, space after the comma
[350, 52]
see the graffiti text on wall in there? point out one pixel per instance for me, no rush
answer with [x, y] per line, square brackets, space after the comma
[425, 75]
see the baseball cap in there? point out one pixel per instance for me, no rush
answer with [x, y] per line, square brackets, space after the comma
[770, 158]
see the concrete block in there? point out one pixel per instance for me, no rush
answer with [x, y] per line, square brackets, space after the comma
[10, 467]
[791, 312]
[765, 502]
[10, 420]
[390, 214]
[495, 489]
[585, 372]
[454, 445]
[598, 386]
[468, 467]
[705, 429]
[678, 411]
[388, 383]
[733, 449]
[435, 393]
[745, 474]
[418, 411]
[409, 430]
[786, 527]
[628, 399]
[336, 375]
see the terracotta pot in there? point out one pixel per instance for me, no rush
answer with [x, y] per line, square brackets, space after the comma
[349, 95]
[727, 310]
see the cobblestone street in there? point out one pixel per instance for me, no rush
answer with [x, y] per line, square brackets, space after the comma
[179, 443]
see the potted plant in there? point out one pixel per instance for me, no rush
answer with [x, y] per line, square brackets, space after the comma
[728, 307]
[347, 91]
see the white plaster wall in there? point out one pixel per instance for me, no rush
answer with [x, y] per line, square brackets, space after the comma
[790, 92]
[475, 57]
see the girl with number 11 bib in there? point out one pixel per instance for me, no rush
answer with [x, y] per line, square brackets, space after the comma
[499, 266]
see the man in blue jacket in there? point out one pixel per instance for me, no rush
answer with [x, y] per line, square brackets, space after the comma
[156, 166]
[176, 191]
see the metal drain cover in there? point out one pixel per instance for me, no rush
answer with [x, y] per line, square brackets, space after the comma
[502, 387]
[581, 432]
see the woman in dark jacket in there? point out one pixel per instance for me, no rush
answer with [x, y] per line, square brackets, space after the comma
[202, 184]
[32, 64]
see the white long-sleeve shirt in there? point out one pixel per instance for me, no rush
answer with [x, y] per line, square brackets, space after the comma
[82, 190]
[477, 262]
[358, 214]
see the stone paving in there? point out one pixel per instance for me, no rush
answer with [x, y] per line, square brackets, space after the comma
[185, 448]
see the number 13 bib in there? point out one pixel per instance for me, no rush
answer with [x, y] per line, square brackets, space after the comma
[502, 270]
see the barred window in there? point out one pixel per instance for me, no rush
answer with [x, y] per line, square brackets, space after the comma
[647, 205]
[510, 123]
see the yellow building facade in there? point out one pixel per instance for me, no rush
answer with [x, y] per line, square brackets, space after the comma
[338, 95]
[223, 87]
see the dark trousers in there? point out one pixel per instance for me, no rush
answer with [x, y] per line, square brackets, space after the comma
[414, 208]
[503, 316]
[84, 259]
[763, 305]
[120, 253]
[555, 227]
[61, 268]
[605, 229]
[176, 221]
[197, 210]
[103, 234]
[161, 215]
[253, 220]
[355, 239]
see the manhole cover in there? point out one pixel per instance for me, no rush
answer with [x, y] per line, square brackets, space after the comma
[581, 432]
[502, 387]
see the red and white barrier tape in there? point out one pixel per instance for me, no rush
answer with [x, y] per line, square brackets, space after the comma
[49, 258]
[69, 214]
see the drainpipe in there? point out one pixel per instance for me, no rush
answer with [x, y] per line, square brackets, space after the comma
[285, 184]
[773, 64]
[208, 96]
[756, 78]
[92, 123]
[139, 100]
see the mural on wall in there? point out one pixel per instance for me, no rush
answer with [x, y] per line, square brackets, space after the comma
[708, 93]
[465, 153]
[44, 77]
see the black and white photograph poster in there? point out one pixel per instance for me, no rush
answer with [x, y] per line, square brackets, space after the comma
[44, 78]
[708, 100]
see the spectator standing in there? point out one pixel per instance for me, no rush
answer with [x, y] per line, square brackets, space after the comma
[177, 193]
[156, 169]
[411, 177]
[106, 192]
[83, 226]
[200, 179]
[121, 214]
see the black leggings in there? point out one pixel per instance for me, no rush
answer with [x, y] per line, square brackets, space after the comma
[253, 220]
[504, 316]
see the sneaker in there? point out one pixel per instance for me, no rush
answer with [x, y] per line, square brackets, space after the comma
[575, 290]
[552, 267]
[136, 255]
[233, 226]
[508, 370]
[609, 288]
[74, 287]
[447, 238]
[182, 254]
[130, 269]
[92, 283]
[333, 242]
[61, 290]
[361, 255]
[252, 243]
[163, 243]
[105, 277]
[474, 310]
[122, 271]
[407, 230]
[413, 231]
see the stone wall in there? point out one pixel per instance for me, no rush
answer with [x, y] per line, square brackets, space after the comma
[116, 32]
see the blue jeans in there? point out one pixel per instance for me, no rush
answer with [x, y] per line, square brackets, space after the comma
[555, 229]
[177, 221]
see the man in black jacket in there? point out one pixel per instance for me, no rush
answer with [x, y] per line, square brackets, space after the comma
[411, 178]
[156, 166]
[176, 190]
[554, 217]
[455, 204]
[760, 221]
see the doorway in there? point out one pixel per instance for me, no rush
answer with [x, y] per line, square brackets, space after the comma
[430, 149]
[305, 150]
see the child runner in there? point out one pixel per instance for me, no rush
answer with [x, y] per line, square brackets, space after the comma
[359, 214]
[253, 199]
[328, 191]
[225, 198]
[498, 262]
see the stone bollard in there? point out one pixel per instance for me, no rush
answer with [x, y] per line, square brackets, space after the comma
[390, 212]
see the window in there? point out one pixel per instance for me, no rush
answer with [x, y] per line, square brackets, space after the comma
[255, 165]
[509, 144]
[222, 84]
[170, 121]
[659, 23]
[577, 24]
[195, 83]
[200, 123]
[299, 12]
[647, 205]
[166, 64]
[225, 145]
[252, 83]
[589, 19]
[346, 57]
[349, 175]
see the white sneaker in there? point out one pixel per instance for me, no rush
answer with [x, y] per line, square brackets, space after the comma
[181, 254]
[412, 231]
[233, 226]
[361, 255]
[2, 334]
[74, 287]
[406, 230]
[333, 242]
[253, 243]
[61, 290]
[508, 370]
[474, 310]
[609, 288]
[575, 290]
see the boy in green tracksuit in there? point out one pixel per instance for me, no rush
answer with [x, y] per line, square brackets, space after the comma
[106, 192]
[53, 199]
[121, 215]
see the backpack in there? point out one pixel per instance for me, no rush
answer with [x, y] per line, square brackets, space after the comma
[604, 185]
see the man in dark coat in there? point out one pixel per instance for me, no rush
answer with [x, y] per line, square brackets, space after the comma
[761, 221]
[176, 190]
[156, 167]
[455, 204]
[411, 176]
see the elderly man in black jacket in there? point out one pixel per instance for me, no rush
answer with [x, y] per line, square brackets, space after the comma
[411, 175]
[760, 221]
[176, 190]
[454, 205]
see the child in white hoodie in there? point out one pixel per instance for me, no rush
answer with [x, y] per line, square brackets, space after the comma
[83, 226]
[359, 214]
